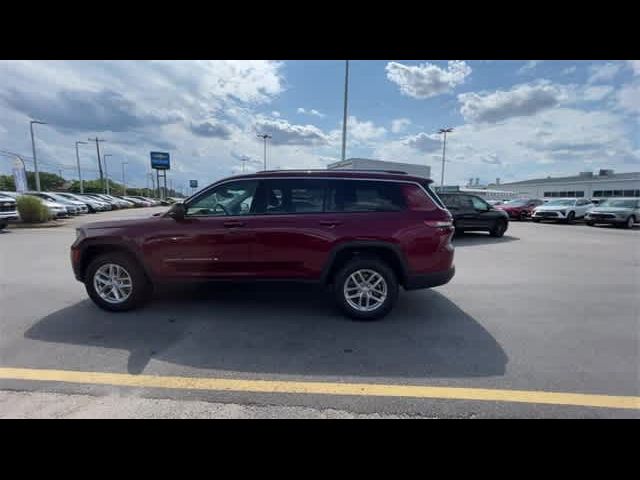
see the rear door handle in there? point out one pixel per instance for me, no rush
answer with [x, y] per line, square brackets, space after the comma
[330, 223]
[233, 224]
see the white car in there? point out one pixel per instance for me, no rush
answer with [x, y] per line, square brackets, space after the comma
[562, 209]
[56, 210]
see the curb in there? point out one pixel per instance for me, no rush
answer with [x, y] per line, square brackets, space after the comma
[36, 225]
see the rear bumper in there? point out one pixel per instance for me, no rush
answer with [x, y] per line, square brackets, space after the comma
[429, 280]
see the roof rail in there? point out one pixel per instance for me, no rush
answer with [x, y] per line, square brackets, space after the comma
[372, 170]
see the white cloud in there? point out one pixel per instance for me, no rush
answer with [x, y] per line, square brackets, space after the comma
[400, 124]
[635, 66]
[568, 70]
[596, 92]
[285, 133]
[427, 80]
[312, 112]
[629, 98]
[276, 114]
[424, 142]
[604, 72]
[363, 131]
[527, 67]
[521, 100]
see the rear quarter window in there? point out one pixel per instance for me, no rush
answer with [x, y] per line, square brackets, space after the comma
[364, 196]
[417, 199]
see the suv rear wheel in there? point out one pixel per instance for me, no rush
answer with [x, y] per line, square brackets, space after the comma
[116, 282]
[366, 288]
[499, 228]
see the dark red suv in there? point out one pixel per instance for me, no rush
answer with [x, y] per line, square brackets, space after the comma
[364, 233]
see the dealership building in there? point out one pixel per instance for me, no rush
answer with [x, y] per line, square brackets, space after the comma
[601, 184]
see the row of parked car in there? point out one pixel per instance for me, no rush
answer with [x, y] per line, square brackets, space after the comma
[63, 204]
[623, 212]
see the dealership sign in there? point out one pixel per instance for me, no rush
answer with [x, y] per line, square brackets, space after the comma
[193, 183]
[160, 161]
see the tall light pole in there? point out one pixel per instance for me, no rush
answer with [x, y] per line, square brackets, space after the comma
[124, 183]
[264, 136]
[78, 162]
[444, 146]
[344, 119]
[243, 160]
[33, 147]
[98, 140]
[106, 171]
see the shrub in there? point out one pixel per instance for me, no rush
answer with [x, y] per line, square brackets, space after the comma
[32, 210]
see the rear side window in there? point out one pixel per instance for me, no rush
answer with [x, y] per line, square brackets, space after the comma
[364, 196]
[291, 196]
[434, 196]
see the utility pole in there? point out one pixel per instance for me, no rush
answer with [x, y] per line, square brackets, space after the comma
[33, 147]
[106, 171]
[97, 140]
[444, 147]
[264, 136]
[78, 163]
[124, 183]
[344, 119]
[243, 160]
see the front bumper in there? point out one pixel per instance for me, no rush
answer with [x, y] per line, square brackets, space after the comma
[429, 280]
[549, 215]
[608, 220]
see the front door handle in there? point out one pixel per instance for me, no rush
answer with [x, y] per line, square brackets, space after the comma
[233, 224]
[330, 223]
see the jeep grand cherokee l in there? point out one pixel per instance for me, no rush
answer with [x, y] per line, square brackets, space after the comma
[363, 233]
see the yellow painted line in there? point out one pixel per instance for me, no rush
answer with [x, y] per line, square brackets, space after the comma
[321, 388]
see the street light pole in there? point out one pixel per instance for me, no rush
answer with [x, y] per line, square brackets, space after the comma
[444, 146]
[97, 140]
[78, 162]
[264, 136]
[33, 147]
[344, 119]
[124, 183]
[106, 171]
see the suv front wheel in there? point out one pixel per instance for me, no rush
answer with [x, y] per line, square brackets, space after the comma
[366, 288]
[116, 282]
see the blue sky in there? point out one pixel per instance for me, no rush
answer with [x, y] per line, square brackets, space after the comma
[512, 119]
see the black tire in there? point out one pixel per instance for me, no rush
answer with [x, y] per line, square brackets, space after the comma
[499, 228]
[366, 263]
[3, 225]
[591, 224]
[630, 221]
[535, 220]
[571, 217]
[140, 292]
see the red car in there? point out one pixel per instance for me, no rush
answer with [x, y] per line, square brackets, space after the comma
[362, 232]
[521, 208]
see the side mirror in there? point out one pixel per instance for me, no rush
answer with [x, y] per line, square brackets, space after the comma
[177, 211]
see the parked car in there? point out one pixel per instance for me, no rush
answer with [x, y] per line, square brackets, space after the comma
[106, 206]
[56, 210]
[622, 212]
[121, 201]
[521, 208]
[149, 201]
[363, 233]
[72, 207]
[472, 213]
[8, 210]
[115, 205]
[93, 206]
[562, 210]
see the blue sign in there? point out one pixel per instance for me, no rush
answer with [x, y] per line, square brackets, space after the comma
[160, 161]
[193, 183]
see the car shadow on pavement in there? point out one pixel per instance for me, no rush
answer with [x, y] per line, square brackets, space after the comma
[283, 329]
[469, 239]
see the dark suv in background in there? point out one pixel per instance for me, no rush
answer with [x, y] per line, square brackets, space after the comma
[472, 213]
[364, 233]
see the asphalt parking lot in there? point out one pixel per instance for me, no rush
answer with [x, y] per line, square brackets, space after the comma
[547, 308]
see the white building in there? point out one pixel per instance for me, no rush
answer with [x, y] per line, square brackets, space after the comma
[603, 184]
[368, 164]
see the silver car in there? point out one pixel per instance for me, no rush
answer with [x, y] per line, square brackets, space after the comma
[615, 211]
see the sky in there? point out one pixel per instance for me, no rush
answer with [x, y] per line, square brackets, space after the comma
[512, 120]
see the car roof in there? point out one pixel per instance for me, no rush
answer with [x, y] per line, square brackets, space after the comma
[358, 174]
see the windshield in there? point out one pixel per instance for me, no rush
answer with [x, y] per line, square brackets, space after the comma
[619, 203]
[560, 203]
[516, 203]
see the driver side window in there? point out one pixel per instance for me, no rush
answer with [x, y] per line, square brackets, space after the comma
[479, 204]
[229, 199]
